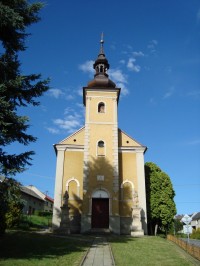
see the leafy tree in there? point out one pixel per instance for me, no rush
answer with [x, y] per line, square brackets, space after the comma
[161, 207]
[16, 89]
[11, 204]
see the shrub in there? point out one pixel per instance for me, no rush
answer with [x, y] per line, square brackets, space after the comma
[195, 234]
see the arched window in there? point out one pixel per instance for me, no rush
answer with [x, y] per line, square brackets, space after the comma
[101, 144]
[72, 187]
[101, 148]
[127, 189]
[101, 107]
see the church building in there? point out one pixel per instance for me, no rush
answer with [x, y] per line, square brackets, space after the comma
[100, 168]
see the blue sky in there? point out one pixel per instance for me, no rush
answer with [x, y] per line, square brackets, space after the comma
[153, 48]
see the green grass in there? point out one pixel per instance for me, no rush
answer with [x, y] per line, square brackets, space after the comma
[31, 249]
[19, 248]
[34, 222]
[148, 251]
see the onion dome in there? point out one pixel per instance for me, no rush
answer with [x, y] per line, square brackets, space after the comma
[101, 65]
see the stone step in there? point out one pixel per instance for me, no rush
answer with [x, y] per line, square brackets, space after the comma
[100, 231]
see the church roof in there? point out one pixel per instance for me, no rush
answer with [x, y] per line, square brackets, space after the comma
[125, 142]
[72, 139]
[101, 65]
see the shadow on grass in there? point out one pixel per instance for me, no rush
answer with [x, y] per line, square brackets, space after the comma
[31, 245]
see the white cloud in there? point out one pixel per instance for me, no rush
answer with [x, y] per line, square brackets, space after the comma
[72, 120]
[117, 76]
[195, 94]
[68, 110]
[53, 130]
[152, 101]
[138, 54]
[169, 93]
[69, 123]
[80, 91]
[131, 65]
[194, 142]
[124, 90]
[87, 67]
[56, 93]
[152, 46]
[69, 97]
[155, 42]
[122, 61]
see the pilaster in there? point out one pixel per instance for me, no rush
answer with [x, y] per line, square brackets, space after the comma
[142, 189]
[58, 188]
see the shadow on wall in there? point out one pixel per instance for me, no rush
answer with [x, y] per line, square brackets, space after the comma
[75, 209]
[100, 174]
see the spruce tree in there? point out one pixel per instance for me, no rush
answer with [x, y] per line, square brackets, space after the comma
[16, 89]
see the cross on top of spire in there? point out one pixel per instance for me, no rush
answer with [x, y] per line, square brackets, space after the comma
[101, 65]
[101, 42]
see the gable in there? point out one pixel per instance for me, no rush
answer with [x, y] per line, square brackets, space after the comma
[126, 141]
[77, 138]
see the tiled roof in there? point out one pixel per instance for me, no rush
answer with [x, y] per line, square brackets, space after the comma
[49, 198]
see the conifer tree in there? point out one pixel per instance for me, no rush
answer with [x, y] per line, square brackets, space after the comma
[16, 89]
[160, 195]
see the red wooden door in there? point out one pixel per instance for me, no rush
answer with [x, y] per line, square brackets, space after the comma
[100, 213]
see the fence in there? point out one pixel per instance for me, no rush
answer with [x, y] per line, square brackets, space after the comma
[191, 249]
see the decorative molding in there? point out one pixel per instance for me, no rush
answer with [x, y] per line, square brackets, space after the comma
[132, 149]
[122, 192]
[127, 181]
[95, 191]
[77, 183]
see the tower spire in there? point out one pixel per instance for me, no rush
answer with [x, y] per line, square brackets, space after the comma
[101, 65]
[101, 44]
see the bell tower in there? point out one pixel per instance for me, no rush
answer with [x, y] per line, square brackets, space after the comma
[100, 167]
[101, 172]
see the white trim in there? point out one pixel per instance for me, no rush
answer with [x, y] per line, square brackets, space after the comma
[109, 199]
[69, 147]
[141, 188]
[77, 183]
[100, 193]
[127, 181]
[80, 129]
[122, 191]
[131, 138]
[132, 149]
[58, 189]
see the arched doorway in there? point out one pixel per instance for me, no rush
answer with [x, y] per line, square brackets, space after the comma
[100, 209]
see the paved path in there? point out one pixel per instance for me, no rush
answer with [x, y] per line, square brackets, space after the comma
[99, 254]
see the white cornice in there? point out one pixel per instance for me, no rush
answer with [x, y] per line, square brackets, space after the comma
[132, 149]
[68, 147]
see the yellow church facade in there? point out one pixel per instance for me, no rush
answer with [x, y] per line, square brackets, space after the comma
[100, 167]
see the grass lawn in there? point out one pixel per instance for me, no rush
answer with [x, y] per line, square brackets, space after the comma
[28, 248]
[148, 251]
[34, 222]
[20, 248]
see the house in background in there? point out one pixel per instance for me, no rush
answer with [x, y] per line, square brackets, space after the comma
[195, 223]
[35, 200]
